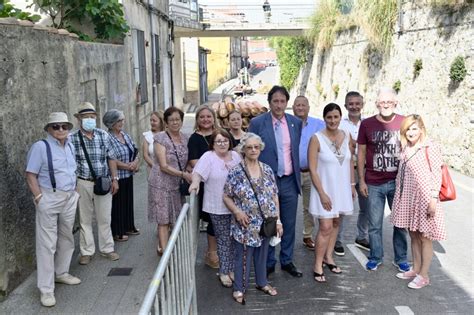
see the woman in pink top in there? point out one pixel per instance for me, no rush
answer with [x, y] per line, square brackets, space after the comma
[212, 168]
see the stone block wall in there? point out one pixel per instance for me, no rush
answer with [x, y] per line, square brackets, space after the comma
[436, 36]
[42, 71]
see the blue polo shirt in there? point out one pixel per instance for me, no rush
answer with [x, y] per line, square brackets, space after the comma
[310, 127]
[64, 164]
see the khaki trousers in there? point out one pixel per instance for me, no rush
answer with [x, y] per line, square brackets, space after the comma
[55, 214]
[308, 220]
[102, 205]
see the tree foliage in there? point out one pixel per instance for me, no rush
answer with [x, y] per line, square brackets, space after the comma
[107, 16]
[8, 10]
[291, 53]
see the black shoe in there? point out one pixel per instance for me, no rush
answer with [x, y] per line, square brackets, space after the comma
[270, 270]
[338, 249]
[362, 244]
[291, 269]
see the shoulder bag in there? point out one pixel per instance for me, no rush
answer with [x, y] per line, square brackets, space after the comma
[183, 184]
[447, 191]
[268, 228]
[102, 185]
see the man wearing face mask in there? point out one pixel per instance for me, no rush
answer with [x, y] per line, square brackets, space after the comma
[378, 150]
[98, 146]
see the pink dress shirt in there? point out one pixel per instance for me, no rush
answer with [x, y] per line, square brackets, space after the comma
[286, 143]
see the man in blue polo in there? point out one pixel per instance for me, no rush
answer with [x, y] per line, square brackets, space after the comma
[311, 125]
[51, 177]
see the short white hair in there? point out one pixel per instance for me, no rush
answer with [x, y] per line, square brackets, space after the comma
[387, 90]
[245, 138]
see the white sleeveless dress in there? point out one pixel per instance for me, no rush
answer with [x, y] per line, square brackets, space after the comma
[335, 178]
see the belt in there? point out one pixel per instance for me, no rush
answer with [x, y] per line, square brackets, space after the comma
[306, 170]
[87, 179]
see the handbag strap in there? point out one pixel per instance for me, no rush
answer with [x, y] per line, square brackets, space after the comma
[175, 151]
[428, 158]
[50, 165]
[253, 189]
[83, 145]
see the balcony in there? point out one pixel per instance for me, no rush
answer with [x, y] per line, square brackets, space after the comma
[185, 14]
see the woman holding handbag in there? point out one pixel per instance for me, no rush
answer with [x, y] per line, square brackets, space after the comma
[164, 198]
[251, 195]
[416, 205]
[122, 223]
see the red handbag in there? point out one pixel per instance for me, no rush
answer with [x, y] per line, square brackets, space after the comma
[448, 191]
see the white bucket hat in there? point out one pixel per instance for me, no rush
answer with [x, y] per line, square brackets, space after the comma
[58, 117]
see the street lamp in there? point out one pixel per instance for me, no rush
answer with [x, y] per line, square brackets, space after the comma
[267, 11]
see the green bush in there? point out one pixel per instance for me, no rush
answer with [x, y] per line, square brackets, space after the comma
[417, 66]
[458, 70]
[8, 10]
[291, 53]
[397, 86]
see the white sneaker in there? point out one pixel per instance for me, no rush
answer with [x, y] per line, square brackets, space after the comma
[48, 299]
[67, 279]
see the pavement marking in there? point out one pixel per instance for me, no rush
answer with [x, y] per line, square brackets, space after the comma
[469, 189]
[361, 258]
[404, 310]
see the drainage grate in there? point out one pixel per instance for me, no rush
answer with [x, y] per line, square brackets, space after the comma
[120, 272]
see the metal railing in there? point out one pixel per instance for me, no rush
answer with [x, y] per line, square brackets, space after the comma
[173, 287]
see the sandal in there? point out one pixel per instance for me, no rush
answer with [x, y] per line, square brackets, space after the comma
[133, 232]
[333, 268]
[120, 238]
[268, 289]
[321, 277]
[238, 297]
[225, 280]
[159, 251]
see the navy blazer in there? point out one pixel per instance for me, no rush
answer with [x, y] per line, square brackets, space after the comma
[262, 125]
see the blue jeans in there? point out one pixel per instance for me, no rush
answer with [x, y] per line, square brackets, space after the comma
[362, 228]
[376, 205]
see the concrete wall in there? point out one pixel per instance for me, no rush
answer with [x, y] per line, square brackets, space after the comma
[434, 36]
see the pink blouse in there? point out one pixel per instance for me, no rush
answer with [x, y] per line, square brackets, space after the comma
[213, 171]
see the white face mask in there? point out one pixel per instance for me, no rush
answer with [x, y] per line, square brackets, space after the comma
[88, 124]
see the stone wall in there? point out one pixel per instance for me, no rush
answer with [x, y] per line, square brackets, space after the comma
[42, 71]
[436, 36]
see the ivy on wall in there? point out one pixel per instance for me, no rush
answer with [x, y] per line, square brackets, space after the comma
[291, 53]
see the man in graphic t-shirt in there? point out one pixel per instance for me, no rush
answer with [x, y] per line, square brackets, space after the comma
[378, 150]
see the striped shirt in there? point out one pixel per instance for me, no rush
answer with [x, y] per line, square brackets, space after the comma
[99, 149]
[124, 152]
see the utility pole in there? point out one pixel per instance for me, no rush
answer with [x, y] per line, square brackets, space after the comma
[267, 11]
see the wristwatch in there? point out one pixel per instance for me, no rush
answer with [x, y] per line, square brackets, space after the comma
[115, 178]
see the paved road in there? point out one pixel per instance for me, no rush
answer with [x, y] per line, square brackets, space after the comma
[356, 290]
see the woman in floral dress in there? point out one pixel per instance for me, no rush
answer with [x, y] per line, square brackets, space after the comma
[240, 199]
[416, 206]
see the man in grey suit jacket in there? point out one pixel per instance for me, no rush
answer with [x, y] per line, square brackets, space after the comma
[281, 134]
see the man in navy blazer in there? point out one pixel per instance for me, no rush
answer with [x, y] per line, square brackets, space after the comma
[281, 134]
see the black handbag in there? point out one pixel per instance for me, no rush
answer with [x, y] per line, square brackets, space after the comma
[269, 225]
[102, 185]
[183, 184]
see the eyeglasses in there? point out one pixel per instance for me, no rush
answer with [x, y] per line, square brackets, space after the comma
[252, 147]
[222, 142]
[56, 127]
[173, 120]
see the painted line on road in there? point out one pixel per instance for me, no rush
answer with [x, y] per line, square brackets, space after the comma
[361, 258]
[469, 189]
[404, 310]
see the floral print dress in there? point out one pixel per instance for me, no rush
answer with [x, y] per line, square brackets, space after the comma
[238, 188]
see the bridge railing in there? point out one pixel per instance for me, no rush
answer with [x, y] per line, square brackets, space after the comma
[173, 287]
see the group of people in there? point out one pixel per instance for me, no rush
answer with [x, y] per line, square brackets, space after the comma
[243, 180]
[91, 168]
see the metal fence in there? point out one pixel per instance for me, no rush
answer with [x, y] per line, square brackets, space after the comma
[173, 287]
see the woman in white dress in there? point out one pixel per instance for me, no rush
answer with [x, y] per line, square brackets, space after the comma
[156, 125]
[333, 186]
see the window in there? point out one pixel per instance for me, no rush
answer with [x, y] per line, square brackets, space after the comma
[139, 66]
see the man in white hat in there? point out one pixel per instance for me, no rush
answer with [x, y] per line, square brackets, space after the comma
[98, 146]
[53, 186]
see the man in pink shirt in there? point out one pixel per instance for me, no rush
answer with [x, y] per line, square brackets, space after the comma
[281, 134]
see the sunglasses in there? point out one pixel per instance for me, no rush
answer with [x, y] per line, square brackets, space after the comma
[56, 127]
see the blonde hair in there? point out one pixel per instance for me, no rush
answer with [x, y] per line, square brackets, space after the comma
[199, 110]
[407, 123]
[159, 115]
